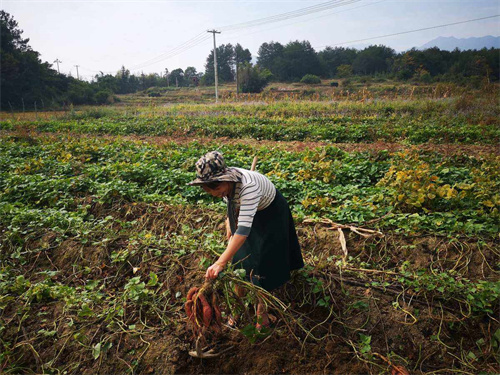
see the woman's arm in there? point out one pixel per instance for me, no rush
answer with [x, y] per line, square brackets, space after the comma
[233, 246]
[228, 229]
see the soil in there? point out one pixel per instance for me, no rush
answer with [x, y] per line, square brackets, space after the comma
[413, 331]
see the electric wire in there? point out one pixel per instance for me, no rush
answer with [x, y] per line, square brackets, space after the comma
[240, 35]
[410, 31]
[198, 39]
[202, 37]
[288, 15]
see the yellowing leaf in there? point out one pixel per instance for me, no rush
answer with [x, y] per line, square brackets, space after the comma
[489, 203]
[452, 193]
[465, 186]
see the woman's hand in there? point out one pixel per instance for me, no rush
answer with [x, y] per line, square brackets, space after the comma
[232, 247]
[214, 270]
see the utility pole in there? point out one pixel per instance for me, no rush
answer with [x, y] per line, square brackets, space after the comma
[58, 61]
[215, 63]
[77, 75]
[237, 83]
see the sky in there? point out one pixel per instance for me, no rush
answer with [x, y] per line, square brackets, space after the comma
[151, 36]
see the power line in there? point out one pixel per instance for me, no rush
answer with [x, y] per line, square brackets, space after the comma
[306, 20]
[199, 38]
[288, 15]
[202, 37]
[410, 31]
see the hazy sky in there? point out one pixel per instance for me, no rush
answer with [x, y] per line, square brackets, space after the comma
[103, 35]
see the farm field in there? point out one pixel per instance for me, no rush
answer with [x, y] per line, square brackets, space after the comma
[101, 238]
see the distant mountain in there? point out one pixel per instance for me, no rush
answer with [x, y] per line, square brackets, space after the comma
[450, 43]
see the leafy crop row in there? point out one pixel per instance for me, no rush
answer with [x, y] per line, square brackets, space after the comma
[414, 121]
[411, 191]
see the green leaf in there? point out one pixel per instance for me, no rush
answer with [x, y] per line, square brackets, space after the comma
[471, 356]
[47, 333]
[153, 279]
[96, 350]
[85, 311]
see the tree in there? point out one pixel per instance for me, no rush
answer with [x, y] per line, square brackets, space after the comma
[80, 92]
[124, 82]
[344, 71]
[404, 66]
[332, 58]
[11, 40]
[106, 82]
[190, 72]
[241, 55]
[177, 77]
[25, 79]
[269, 54]
[290, 62]
[225, 65]
[301, 59]
[373, 59]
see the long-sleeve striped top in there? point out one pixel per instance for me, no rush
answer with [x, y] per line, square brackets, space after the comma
[254, 193]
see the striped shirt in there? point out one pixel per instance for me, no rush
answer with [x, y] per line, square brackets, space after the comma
[254, 193]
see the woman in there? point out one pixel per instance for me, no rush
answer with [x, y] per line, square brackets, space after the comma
[260, 228]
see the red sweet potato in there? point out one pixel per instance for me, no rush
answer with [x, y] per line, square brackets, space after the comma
[191, 293]
[189, 309]
[207, 310]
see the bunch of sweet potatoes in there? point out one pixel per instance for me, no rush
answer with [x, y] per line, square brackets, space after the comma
[203, 311]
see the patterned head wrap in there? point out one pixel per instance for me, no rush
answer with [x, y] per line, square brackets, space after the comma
[211, 167]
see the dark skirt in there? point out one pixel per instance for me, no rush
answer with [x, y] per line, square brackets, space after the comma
[272, 248]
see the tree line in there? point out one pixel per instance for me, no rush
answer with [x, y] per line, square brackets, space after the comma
[292, 61]
[28, 82]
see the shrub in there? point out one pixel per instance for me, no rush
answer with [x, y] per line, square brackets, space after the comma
[254, 79]
[310, 79]
[104, 96]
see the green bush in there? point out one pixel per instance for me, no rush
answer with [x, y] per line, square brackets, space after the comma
[310, 79]
[254, 79]
[104, 96]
